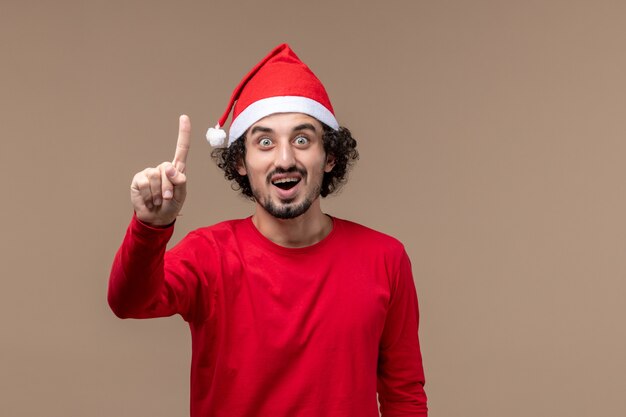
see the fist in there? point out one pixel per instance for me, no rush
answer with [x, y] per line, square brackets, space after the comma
[158, 193]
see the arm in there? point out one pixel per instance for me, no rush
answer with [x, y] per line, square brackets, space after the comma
[139, 285]
[400, 371]
[137, 278]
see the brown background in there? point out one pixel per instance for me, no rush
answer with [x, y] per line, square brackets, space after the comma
[492, 144]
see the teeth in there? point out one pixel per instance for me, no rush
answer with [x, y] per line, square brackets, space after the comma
[284, 180]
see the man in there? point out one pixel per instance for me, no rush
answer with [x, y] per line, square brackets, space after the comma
[292, 312]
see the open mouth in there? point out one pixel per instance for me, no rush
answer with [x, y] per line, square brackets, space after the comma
[286, 183]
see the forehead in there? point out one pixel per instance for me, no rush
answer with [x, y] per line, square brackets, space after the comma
[287, 122]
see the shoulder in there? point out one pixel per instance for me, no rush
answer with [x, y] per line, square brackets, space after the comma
[377, 250]
[226, 226]
[363, 236]
[217, 235]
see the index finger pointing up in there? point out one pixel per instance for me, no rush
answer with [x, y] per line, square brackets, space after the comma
[183, 143]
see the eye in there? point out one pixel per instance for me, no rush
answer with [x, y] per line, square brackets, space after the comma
[265, 142]
[301, 140]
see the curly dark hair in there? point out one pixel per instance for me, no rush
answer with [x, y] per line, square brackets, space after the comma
[338, 143]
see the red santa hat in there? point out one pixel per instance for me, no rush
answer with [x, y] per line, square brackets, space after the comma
[280, 83]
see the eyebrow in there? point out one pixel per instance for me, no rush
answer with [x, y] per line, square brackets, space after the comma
[305, 126]
[263, 129]
[260, 129]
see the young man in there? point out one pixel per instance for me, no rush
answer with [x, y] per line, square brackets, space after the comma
[292, 312]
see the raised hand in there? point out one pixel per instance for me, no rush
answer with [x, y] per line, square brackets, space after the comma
[158, 193]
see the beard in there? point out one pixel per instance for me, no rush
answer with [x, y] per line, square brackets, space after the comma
[287, 209]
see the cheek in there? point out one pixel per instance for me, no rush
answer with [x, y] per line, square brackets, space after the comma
[314, 160]
[255, 167]
[252, 164]
[324, 165]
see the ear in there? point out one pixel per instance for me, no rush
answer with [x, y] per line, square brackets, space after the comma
[241, 168]
[330, 163]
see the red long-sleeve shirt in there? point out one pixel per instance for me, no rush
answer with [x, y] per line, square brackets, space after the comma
[306, 332]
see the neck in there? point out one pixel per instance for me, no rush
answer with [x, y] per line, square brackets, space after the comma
[304, 230]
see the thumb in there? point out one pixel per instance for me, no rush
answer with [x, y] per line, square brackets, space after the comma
[178, 180]
[175, 176]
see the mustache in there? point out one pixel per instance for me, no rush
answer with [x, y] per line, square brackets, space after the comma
[291, 170]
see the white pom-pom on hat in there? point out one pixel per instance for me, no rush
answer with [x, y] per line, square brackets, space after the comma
[216, 136]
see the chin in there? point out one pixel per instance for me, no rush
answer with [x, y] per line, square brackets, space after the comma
[287, 211]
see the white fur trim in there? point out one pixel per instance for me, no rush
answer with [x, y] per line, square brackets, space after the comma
[281, 104]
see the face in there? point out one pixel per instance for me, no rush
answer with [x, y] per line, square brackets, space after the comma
[285, 163]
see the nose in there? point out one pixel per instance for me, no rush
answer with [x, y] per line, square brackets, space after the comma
[285, 157]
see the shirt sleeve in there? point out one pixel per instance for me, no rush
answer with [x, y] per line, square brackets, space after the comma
[146, 281]
[400, 371]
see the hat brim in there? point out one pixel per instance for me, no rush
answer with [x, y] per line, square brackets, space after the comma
[280, 104]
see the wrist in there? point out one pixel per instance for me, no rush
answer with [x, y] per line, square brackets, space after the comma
[155, 224]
